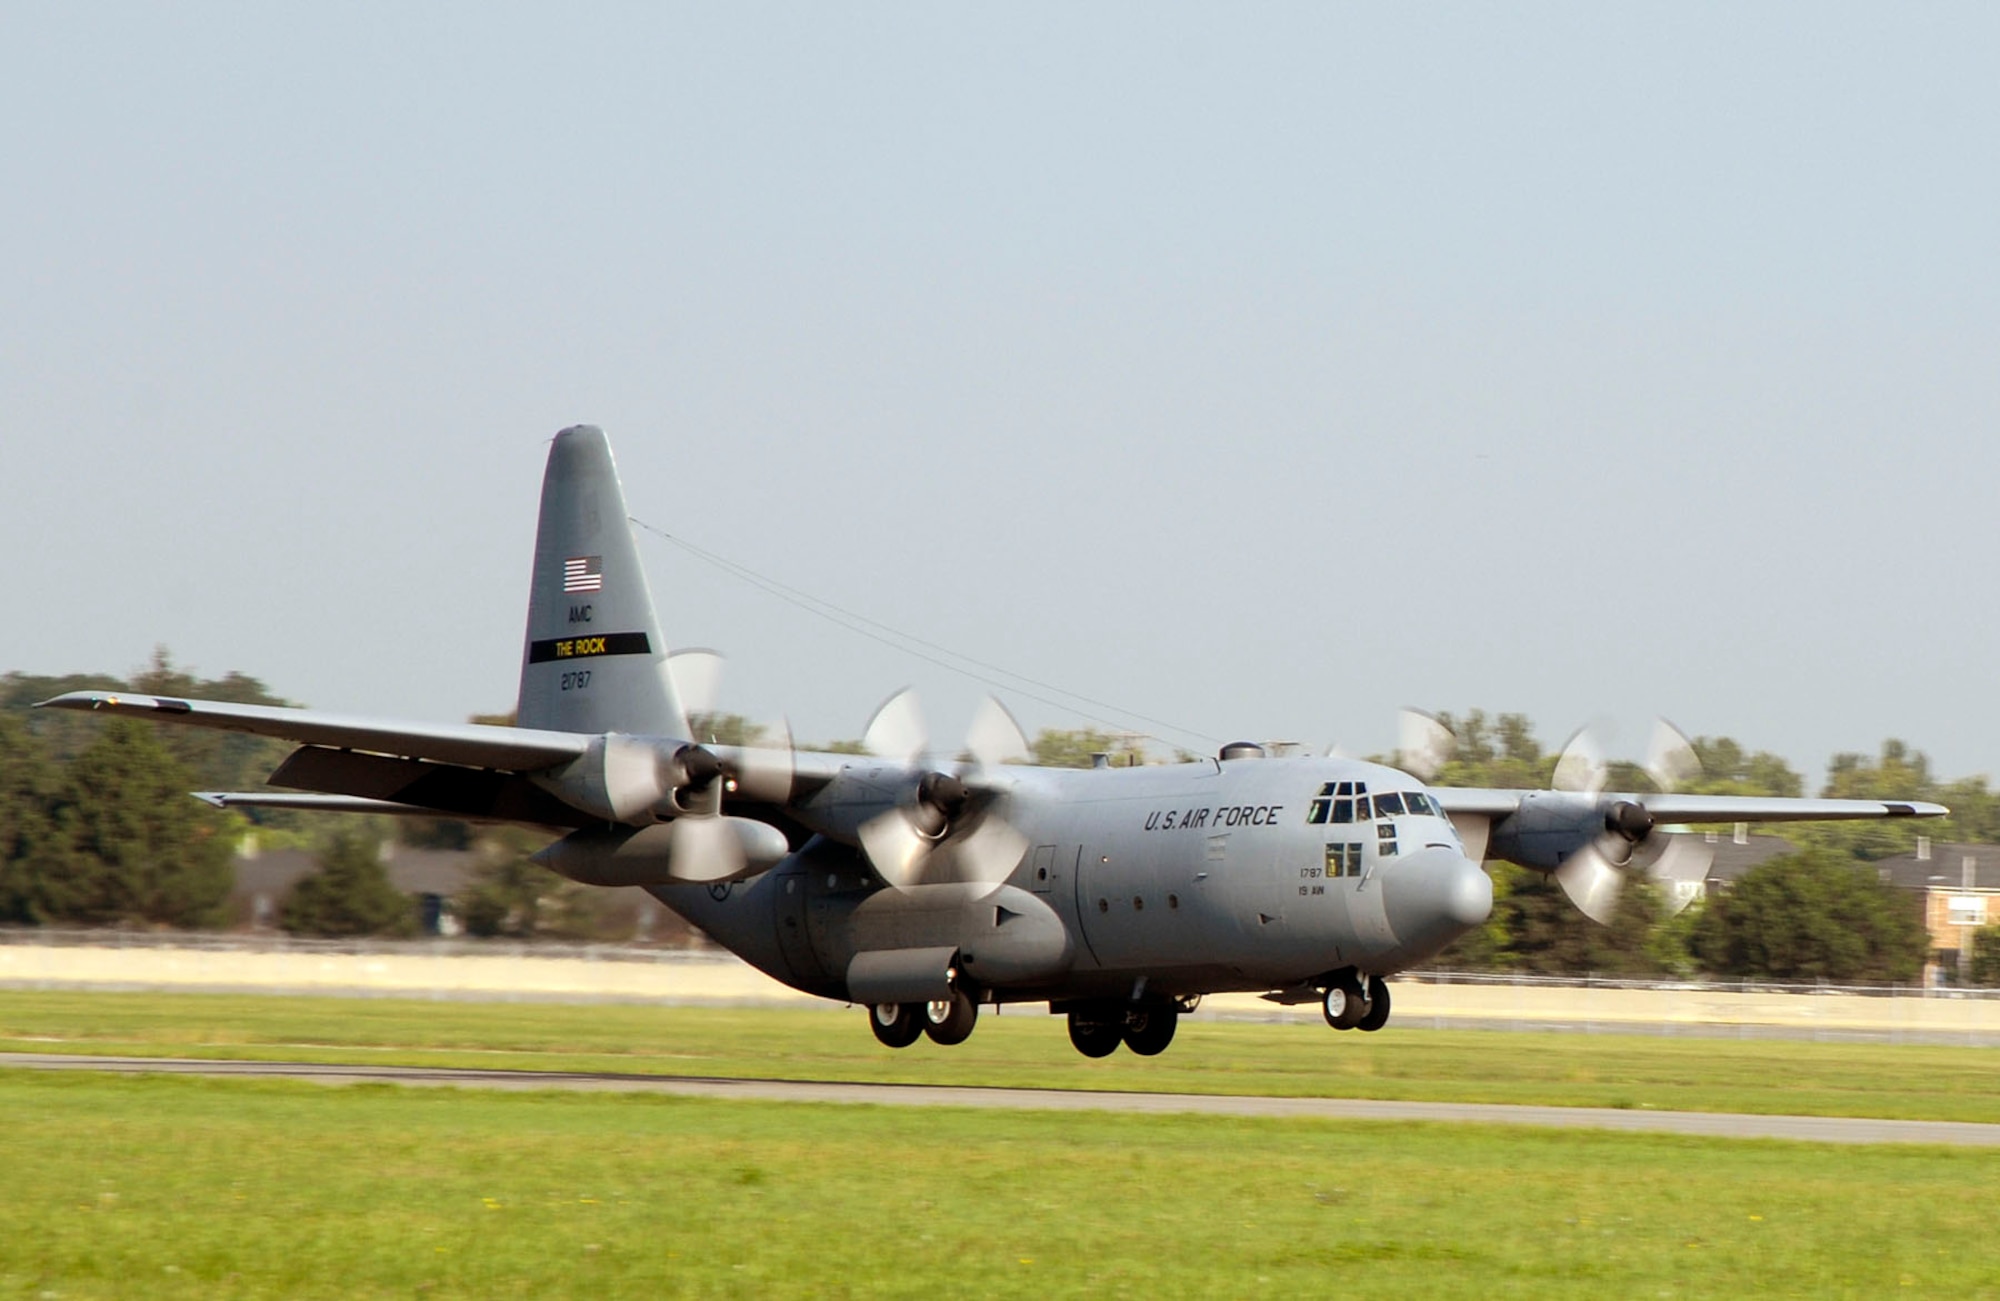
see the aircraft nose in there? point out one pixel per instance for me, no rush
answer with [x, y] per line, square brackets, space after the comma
[1435, 892]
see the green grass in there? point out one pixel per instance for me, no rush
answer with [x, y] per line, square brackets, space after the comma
[1030, 1049]
[175, 1187]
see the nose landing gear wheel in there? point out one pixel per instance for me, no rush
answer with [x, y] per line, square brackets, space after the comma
[950, 1021]
[897, 1025]
[1095, 1038]
[1378, 1005]
[1149, 1032]
[1346, 1005]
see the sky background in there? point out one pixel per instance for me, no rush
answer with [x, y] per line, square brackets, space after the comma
[1259, 370]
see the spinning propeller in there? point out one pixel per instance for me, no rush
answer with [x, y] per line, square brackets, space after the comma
[706, 844]
[946, 826]
[1593, 876]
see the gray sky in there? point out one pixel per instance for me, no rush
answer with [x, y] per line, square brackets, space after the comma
[1257, 369]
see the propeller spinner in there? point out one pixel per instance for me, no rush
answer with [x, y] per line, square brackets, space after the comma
[948, 829]
[1594, 876]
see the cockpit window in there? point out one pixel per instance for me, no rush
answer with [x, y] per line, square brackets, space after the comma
[1418, 802]
[1388, 806]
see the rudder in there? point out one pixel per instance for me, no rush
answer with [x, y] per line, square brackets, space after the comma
[594, 660]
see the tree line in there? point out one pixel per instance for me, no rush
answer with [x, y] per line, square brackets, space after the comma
[96, 828]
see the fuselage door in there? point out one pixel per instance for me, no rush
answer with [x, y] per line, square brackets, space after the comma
[1042, 871]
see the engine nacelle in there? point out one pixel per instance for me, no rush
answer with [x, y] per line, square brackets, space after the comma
[1547, 828]
[631, 779]
[614, 856]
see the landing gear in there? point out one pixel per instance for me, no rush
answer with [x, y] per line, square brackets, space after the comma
[1148, 1032]
[1096, 1035]
[950, 1020]
[1346, 1004]
[896, 1024]
[1377, 1015]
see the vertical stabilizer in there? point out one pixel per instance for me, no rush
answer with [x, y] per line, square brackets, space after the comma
[594, 660]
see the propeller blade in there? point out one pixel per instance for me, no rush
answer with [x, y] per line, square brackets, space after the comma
[764, 771]
[995, 738]
[1580, 767]
[897, 730]
[696, 675]
[1591, 883]
[704, 849]
[1423, 744]
[1670, 759]
[1685, 859]
[990, 852]
[895, 847]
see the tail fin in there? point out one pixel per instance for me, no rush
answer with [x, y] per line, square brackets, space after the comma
[594, 660]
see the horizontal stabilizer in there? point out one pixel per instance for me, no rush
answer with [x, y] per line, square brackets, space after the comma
[311, 803]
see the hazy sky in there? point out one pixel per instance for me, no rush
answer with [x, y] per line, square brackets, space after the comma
[1256, 368]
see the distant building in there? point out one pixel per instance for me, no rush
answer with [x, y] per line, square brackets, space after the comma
[429, 876]
[432, 878]
[1960, 886]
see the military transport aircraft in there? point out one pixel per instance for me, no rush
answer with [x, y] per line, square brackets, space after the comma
[922, 888]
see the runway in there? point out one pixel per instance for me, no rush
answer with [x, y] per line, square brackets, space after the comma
[1813, 1129]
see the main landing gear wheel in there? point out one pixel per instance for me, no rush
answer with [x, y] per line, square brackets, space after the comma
[1345, 1004]
[895, 1024]
[950, 1021]
[1378, 1005]
[1148, 1033]
[1095, 1036]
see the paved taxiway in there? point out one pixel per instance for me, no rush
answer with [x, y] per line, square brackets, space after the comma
[1816, 1129]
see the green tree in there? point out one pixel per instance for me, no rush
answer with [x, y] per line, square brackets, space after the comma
[1500, 751]
[218, 760]
[37, 881]
[1077, 747]
[1983, 963]
[1975, 812]
[1812, 916]
[1727, 769]
[144, 851]
[1898, 773]
[349, 894]
[512, 895]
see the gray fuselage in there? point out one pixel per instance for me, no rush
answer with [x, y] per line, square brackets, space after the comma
[1253, 874]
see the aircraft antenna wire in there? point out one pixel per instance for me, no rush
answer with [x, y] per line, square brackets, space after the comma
[907, 643]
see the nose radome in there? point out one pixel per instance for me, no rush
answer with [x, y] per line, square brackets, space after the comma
[1433, 892]
[1469, 894]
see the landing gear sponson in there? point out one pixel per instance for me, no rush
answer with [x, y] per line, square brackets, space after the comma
[1351, 1002]
[1096, 1029]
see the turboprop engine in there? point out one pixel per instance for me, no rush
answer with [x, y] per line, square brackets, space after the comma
[637, 784]
[633, 779]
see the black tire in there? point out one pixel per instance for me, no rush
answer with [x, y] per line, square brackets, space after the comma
[1095, 1036]
[897, 1025]
[1149, 1032]
[1378, 1005]
[1346, 1004]
[950, 1021]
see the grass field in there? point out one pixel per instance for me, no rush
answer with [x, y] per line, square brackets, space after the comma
[1030, 1049]
[185, 1187]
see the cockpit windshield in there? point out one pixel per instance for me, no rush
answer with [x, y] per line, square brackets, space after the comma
[1347, 802]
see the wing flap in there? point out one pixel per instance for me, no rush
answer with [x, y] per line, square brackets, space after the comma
[472, 745]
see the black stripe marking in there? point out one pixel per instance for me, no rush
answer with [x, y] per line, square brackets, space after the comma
[580, 648]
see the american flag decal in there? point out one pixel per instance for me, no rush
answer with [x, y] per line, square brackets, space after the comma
[583, 574]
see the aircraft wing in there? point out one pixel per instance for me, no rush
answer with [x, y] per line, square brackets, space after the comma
[1672, 809]
[314, 803]
[471, 745]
